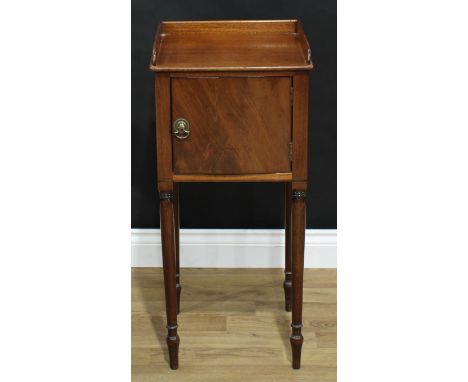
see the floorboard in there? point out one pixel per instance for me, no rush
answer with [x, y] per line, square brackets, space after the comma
[233, 326]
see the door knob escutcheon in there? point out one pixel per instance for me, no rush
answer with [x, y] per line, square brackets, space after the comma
[181, 128]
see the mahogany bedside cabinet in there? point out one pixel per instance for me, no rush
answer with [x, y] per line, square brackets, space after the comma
[231, 106]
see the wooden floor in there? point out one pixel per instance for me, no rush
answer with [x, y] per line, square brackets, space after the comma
[233, 327]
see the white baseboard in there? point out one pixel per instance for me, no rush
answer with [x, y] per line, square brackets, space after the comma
[233, 248]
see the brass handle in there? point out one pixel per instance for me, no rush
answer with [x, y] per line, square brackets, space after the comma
[181, 128]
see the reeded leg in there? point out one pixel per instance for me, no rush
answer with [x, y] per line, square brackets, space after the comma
[287, 285]
[168, 253]
[298, 232]
[177, 227]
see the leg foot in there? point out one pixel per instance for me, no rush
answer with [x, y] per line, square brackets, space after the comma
[296, 347]
[173, 347]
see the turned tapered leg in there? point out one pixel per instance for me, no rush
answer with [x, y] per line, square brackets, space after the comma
[168, 254]
[287, 285]
[298, 232]
[177, 227]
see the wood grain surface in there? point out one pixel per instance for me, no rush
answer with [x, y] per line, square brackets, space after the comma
[237, 125]
[277, 177]
[301, 125]
[230, 45]
[163, 135]
[233, 327]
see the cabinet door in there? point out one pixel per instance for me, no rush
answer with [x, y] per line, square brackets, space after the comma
[238, 125]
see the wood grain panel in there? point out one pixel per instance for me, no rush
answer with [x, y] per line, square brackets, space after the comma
[163, 124]
[238, 125]
[300, 125]
[220, 26]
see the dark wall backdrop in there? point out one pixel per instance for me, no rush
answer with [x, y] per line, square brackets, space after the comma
[237, 205]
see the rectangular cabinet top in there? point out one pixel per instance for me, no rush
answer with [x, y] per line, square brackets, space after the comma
[230, 46]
